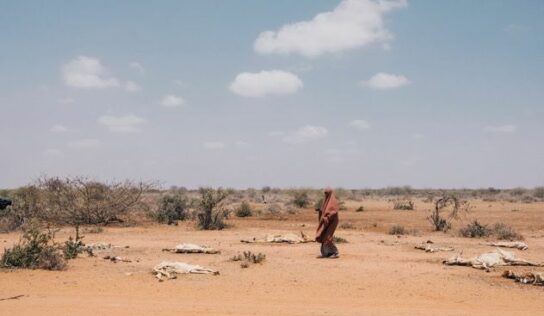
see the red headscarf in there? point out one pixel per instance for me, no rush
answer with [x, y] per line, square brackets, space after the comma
[328, 218]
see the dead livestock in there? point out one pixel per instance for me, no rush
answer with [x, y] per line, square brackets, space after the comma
[510, 244]
[289, 238]
[525, 278]
[490, 260]
[169, 270]
[430, 247]
[192, 248]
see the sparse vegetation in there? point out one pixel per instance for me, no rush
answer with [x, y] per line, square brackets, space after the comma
[506, 232]
[539, 192]
[172, 208]
[339, 240]
[249, 257]
[450, 204]
[347, 225]
[35, 250]
[475, 230]
[244, 210]
[403, 205]
[397, 230]
[301, 199]
[73, 247]
[211, 214]
[360, 209]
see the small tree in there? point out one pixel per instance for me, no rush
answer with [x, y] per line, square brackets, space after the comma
[212, 214]
[444, 204]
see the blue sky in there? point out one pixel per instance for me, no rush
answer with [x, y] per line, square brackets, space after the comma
[354, 93]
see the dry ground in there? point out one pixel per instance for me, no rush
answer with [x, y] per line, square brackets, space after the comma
[377, 274]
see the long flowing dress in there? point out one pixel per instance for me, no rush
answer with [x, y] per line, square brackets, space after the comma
[328, 221]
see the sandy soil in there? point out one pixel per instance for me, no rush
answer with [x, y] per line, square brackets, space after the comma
[377, 274]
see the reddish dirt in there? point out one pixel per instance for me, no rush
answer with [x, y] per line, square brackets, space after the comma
[377, 274]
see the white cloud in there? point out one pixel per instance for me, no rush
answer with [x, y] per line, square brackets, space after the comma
[87, 73]
[260, 84]
[122, 124]
[214, 145]
[359, 124]
[137, 66]
[172, 101]
[383, 81]
[52, 152]
[352, 24]
[87, 143]
[58, 129]
[305, 134]
[132, 86]
[502, 129]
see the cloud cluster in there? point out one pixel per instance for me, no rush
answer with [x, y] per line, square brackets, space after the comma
[122, 124]
[260, 84]
[384, 81]
[89, 73]
[352, 24]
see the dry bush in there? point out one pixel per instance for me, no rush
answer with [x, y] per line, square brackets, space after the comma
[212, 213]
[35, 250]
[25, 206]
[249, 257]
[397, 230]
[339, 240]
[450, 204]
[475, 230]
[244, 210]
[360, 209]
[301, 198]
[79, 201]
[538, 192]
[347, 225]
[504, 232]
[403, 205]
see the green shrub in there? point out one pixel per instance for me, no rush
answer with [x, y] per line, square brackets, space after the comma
[172, 208]
[35, 250]
[73, 247]
[244, 210]
[475, 230]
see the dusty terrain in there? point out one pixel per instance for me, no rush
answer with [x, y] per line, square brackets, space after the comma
[377, 273]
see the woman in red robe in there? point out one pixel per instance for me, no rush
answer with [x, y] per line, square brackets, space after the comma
[328, 220]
